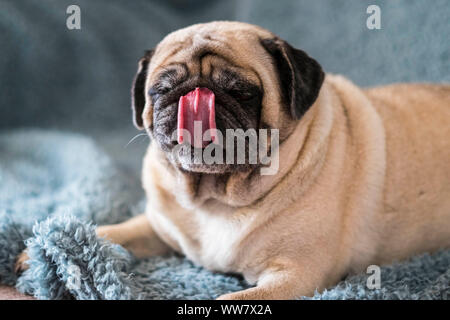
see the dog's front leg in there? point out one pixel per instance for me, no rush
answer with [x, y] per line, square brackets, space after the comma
[135, 235]
[282, 284]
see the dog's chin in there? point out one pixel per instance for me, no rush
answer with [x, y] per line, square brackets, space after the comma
[206, 168]
[186, 164]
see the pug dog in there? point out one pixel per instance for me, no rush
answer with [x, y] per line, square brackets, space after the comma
[363, 175]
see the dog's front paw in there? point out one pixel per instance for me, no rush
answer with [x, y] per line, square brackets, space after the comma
[239, 295]
[107, 232]
[22, 262]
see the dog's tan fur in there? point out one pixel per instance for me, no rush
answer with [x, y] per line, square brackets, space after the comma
[364, 178]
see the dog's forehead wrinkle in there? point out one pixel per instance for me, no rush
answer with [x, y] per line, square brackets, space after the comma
[224, 77]
[204, 55]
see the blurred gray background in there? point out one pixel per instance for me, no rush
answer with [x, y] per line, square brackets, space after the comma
[79, 80]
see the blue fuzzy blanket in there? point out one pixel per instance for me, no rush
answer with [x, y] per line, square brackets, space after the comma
[54, 188]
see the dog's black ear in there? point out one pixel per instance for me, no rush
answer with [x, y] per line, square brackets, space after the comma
[138, 93]
[300, 76]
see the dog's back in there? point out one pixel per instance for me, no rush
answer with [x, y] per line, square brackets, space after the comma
[416, 120]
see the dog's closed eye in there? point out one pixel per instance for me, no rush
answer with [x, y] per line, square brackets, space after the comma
[238, 87]
[167, 80]
[156, 92]
[242, 95]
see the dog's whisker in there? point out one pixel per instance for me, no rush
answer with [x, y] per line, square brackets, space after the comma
[135, 137]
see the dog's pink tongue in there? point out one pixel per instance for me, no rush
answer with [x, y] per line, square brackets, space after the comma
[196, 115]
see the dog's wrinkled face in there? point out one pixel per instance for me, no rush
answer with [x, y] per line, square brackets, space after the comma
[220, 76]
[237, 105]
